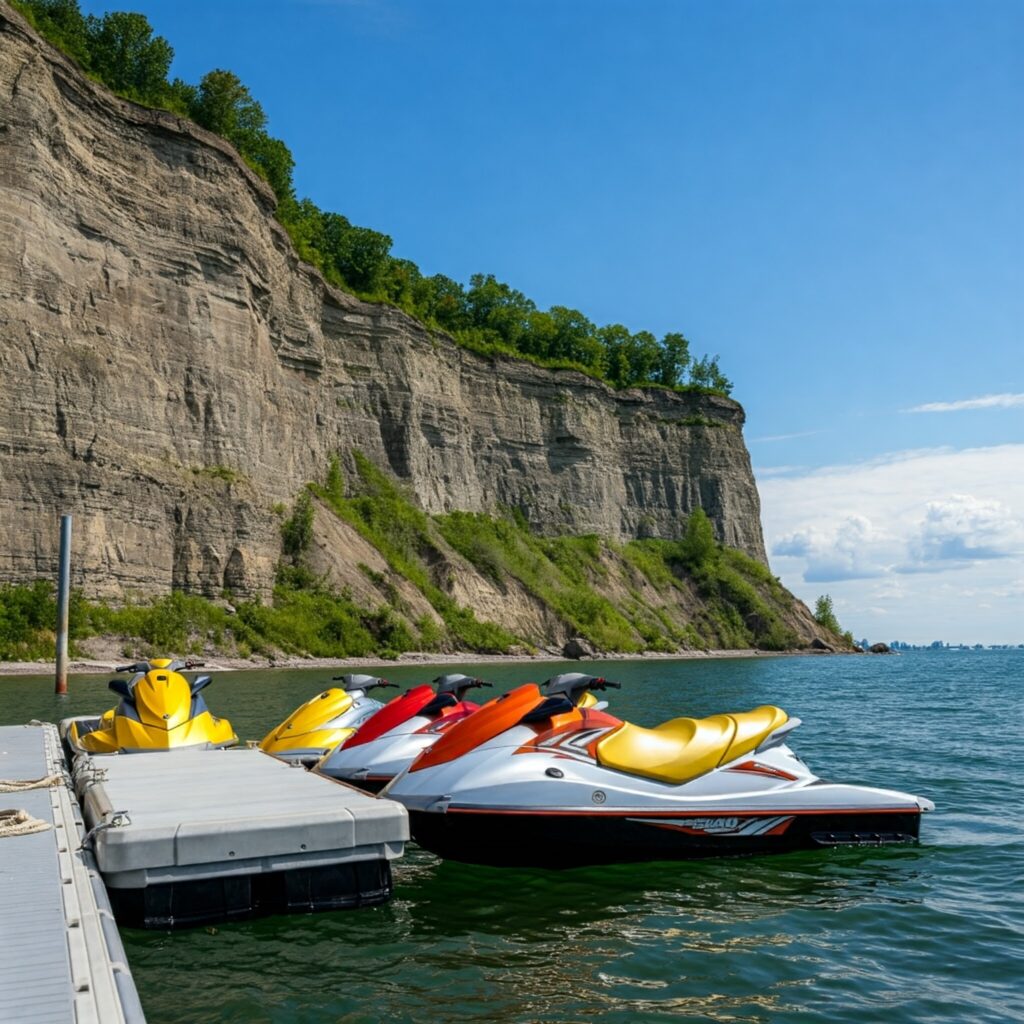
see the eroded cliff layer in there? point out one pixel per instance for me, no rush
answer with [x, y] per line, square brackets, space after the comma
[172, 371]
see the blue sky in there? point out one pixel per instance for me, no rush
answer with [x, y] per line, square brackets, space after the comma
[829, 195]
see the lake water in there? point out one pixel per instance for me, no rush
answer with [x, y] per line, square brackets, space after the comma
[930, 933]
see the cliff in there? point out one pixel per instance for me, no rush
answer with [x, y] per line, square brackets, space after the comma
[173, 373]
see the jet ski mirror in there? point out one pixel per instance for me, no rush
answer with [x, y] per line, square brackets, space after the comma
[361, 681]
[121, 686]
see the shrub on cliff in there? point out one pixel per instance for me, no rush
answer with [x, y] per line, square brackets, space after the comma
[741, 597]
[28, 616]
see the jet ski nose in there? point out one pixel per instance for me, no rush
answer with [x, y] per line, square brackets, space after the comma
[925, 804]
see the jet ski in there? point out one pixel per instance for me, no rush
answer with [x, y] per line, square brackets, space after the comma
[530, 780]
[159, 710]
[325, 720]
[391, 740]
[399, 731]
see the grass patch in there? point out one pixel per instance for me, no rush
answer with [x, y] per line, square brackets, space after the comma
[225, 473]
[561, 571]
[382, 513]
[301, 621]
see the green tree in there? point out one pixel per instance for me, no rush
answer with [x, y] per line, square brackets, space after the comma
[575, 338]
[399, 283]
[698, 546]
[224, 105]
[273, 160]
[126, 55]
[180, 97]
[643, 355]
[630, 359]
[614, 340]
[705, 374]
[500, 312]
[444, 302]
[673, 360]
[305, 224]
[361, 256]
[297, 531]
[825, 615]
[62, 22]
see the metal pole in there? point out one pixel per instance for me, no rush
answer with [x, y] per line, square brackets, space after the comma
[63, 594]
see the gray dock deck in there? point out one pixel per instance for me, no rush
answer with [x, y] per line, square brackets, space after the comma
[205, 835]
[61, 958]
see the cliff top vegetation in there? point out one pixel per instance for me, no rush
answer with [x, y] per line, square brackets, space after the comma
[120, 50]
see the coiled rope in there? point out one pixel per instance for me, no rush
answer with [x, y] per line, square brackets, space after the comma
[15, 822]
[20, 823]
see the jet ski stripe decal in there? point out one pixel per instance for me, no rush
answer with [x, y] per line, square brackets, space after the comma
[635, 811]
[756, 768]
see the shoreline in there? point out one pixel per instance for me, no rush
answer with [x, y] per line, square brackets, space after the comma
[425, 659]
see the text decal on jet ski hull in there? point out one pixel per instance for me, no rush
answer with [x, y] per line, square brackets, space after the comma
[723, 826]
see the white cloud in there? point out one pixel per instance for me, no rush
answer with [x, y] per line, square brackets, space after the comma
[925, 536]
[843, 552]
[1003, 401]
[962, 529]
[784, 437]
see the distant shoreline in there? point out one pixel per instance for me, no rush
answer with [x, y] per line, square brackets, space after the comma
[426, 659]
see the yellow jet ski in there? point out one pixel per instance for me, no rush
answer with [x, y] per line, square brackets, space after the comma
[315, 728]
[159, 710]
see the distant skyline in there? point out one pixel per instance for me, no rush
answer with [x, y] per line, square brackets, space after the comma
[827, 195]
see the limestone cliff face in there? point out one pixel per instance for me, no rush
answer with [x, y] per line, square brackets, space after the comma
[171, 370]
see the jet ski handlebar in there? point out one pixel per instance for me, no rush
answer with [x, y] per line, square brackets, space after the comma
[574, 684]
[135, 666]
[455, 684]
[175, 666]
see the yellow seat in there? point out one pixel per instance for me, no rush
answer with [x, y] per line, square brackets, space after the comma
[683, 748]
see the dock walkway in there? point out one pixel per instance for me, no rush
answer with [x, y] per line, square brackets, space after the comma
[61, 958]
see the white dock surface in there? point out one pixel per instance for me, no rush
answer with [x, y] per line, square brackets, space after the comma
[61, 958]
[197, 814]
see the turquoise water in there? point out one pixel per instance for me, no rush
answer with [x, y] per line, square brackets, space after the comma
[931, 933]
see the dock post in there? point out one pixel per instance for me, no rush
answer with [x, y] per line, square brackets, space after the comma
[63, 595]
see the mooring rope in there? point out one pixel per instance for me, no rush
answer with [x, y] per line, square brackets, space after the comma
[20, 823]
[19, 785]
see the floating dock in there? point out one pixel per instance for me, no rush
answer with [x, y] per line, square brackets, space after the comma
[61, 958]
[198, 836]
